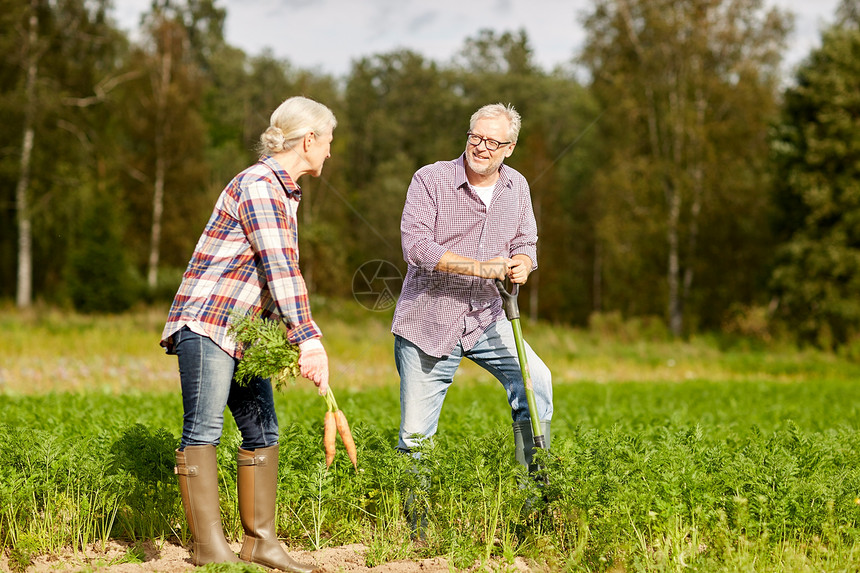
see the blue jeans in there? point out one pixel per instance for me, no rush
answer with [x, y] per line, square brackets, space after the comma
[425, 379]
[206, 373]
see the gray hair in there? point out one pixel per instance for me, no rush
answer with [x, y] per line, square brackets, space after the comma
[495, 110]
[292, 120]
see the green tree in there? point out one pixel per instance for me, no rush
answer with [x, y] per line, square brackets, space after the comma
[32, 49]
[239, 95]
[100, 276]
[816, 149]
[500, 55]
[399, 115]
[687, 87]
[58, 65]
[165, 172]
[557, 156]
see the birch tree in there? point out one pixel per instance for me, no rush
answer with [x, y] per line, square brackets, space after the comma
[688, 87]
[46, 102]
[31, 50]
[165, 162]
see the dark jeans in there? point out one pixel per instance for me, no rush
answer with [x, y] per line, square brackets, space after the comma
[206, 373]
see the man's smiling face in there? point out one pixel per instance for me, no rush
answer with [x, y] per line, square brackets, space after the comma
[480, 159]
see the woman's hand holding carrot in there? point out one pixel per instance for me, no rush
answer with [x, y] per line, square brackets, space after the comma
[313, 364]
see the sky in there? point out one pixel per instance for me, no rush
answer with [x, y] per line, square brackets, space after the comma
[328, 35]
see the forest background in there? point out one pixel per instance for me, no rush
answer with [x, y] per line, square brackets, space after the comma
[683, 182]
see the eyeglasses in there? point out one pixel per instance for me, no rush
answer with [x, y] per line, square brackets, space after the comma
[490, 144]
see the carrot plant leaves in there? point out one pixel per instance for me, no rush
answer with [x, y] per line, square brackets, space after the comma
[267, 351]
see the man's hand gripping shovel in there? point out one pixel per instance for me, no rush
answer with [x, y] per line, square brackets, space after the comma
[512, 312]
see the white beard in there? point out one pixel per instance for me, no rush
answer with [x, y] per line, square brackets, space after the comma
[487, 168]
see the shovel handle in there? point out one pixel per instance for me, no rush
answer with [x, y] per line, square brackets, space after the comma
[512, 312]
[509, 299]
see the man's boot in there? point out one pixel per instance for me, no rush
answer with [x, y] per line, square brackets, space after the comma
[258, 488]
[524, 442]
[415, 508]
[524, 450]
[197, 470]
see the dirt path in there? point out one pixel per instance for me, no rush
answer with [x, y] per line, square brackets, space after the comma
[172, 558]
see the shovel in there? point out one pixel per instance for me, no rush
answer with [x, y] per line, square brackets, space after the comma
[512, 312]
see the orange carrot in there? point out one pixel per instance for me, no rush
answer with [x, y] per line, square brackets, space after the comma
[329, 437]
[346, 436]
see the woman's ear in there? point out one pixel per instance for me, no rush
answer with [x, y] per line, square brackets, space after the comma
[309, 137]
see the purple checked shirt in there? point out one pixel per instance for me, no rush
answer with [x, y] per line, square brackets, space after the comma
[436, 310]
[247, 259]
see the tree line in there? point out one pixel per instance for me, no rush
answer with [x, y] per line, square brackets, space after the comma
[676, 173]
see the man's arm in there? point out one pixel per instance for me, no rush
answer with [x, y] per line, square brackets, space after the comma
[417, 225]
[496, 268]
[524, 242]
[417, 237]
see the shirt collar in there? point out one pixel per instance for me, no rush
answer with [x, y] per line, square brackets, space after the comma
[460, 179]
[290, 187]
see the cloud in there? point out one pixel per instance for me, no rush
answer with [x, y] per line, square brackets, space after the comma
[422, 21]
[328, 35]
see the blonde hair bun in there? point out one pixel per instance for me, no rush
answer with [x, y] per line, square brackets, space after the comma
[292, 120]
[273, 140]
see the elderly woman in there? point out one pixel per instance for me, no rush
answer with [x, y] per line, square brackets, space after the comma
[246, 260]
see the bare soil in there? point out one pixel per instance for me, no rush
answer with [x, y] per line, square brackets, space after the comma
[173, 558]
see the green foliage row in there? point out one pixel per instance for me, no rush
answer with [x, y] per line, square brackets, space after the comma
[744, 476]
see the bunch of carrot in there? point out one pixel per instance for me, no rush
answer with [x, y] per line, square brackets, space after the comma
[336, 423]
[268, 353]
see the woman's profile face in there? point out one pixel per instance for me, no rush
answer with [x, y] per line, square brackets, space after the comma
[319, 151]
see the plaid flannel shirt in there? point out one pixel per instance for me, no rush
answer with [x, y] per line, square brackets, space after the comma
[247, 259]
[436, 310]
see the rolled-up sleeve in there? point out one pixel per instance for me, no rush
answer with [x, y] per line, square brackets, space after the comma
[417, 225]
[524, 241]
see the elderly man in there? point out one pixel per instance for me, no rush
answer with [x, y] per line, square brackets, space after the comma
[466, 222]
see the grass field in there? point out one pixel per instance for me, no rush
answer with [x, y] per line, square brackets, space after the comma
[701, 455]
